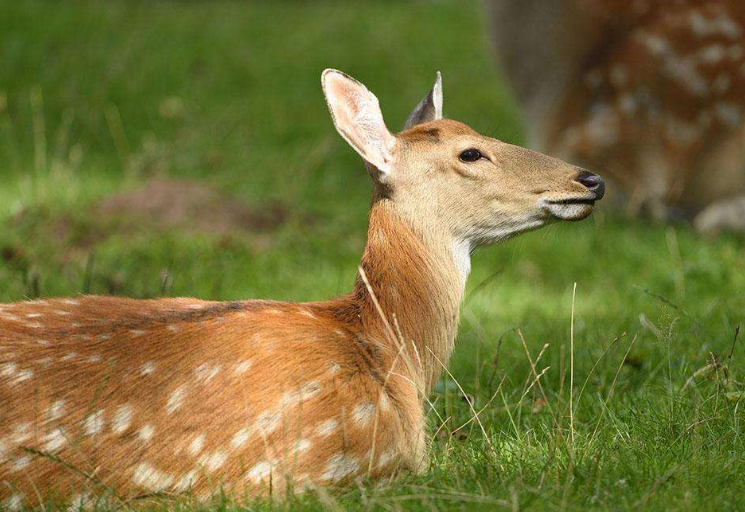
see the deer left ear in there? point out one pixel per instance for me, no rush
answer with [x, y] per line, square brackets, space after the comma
[429, 109]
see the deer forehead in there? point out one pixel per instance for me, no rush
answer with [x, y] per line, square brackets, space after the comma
[441, 141]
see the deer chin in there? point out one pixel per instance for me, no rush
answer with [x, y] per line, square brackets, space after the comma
[571, 209]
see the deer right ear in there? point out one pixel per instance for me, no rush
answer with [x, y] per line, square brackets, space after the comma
[357, 117]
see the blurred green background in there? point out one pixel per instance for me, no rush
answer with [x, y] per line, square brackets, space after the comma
[184, 149]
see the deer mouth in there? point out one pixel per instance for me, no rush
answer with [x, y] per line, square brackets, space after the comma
[573, 208]
[588, 200]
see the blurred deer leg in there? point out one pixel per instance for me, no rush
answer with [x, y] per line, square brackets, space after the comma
[725, 214]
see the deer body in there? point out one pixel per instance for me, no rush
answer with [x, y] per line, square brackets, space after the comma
[652, 92]
[255, 397]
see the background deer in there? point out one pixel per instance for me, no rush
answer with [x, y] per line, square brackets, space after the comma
[651, 92]
[253, 397]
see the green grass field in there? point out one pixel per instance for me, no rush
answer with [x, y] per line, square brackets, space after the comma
[99, 98]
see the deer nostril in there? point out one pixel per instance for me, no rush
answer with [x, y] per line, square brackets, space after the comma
[592, 182]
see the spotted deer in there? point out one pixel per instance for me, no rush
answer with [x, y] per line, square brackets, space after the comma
[134, 397]
[650, 91]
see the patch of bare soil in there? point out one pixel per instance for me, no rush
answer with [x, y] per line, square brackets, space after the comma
[165, 203]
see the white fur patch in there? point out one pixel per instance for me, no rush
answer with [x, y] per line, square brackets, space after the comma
[462, 258]
[240, 438]
[213, 462]
[147, 368]
[186, 482]
[327, 428]
[176, 399]
[122, 419]
[94, 423]
[339, 466]
[14, 503]
[146, 433]
[56, 410]
[196, 445]
[242, 367]
[150, 478]
[20, 463]
[260, 472]
[54, 440]
[363, 413]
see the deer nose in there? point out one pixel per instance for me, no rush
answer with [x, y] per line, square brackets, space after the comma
[592, 182]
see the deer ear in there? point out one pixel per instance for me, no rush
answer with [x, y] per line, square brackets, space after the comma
[357, 117]
[429, 109]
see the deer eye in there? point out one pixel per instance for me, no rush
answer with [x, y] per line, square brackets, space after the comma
[470, 155]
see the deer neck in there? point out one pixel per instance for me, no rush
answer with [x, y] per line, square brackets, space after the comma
[417, 275]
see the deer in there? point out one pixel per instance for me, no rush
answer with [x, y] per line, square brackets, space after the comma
[172, 396]
[652, 92]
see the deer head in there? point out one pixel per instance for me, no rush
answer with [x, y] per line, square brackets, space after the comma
[444, 176]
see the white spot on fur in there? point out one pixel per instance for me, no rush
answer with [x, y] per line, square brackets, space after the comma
[173, 328]
[79, 502]
[14, 503]
[363, 412]
[187, 481]
[240, 438]
[8, 369]
[54, 440]
[196, 445]
[146, 433]
[712, 54]
[242, 367]
[70, 302]
[137, 332]
[34, 315]
[267, 422]
[213, 462]
[122, 419]
[56, 410]
[205, 372]
[95, 358]
[306, 392]
[260, 472]
[334, 368]
[327, 428]
[21, 433]
[22, 376]
[151, 478]
[20, 463]
[340, 466]
[94, 423]
[385, 458]
[147, 368]
[176, 399]
[720, 24]
[301, 446]
[384, 403]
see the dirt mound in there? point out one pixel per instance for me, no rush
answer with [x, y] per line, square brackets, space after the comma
[190, 205]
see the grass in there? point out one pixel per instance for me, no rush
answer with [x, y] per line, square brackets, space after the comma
[100, 97]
